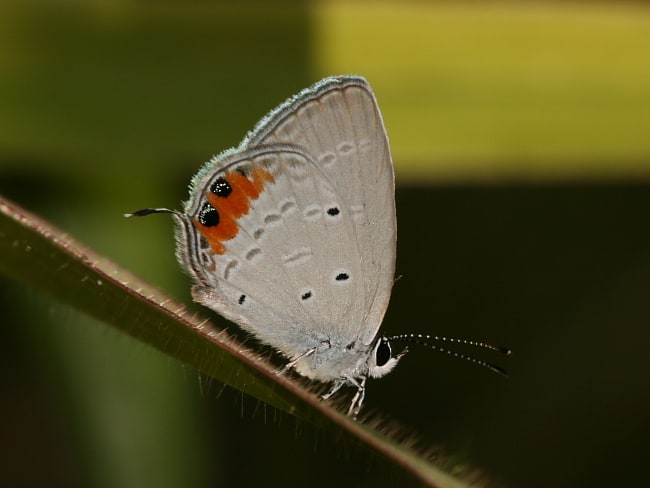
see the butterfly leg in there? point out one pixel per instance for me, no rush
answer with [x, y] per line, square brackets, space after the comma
[294, 361]
[336, 387]
[360, 395]
[358, 398]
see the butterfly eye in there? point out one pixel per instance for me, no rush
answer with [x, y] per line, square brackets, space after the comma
[383, 353]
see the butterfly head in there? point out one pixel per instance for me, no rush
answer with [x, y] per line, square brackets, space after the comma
[381, 361]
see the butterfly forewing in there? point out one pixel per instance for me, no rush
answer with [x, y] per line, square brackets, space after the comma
[338, 124]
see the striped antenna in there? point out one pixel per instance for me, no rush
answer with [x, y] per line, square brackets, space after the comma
[423, 339]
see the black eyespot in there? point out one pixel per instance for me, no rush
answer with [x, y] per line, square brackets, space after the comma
[208, 215]
[333, 211]
[342, 277]
[383, 353]
[221, 187]
[241, 299]
[306, 295]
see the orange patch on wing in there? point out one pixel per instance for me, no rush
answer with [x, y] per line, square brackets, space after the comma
[261, 176]
[232, 207]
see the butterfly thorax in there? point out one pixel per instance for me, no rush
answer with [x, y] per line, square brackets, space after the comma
[332, 360]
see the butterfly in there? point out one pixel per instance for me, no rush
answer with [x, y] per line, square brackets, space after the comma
[292, 236]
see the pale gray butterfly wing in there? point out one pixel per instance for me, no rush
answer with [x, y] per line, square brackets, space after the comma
[311, 256]
[278, 276]
[339, 122]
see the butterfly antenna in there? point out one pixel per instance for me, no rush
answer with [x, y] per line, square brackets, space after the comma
[423, 339]
[149, 211]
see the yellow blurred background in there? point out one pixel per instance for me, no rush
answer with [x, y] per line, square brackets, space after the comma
[471, 91]
[476, 91]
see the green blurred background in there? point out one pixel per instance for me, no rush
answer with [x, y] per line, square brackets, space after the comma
[520, 139]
